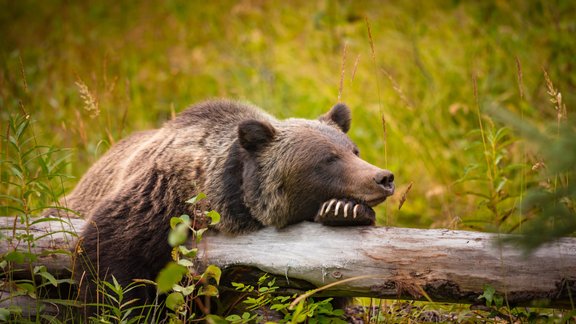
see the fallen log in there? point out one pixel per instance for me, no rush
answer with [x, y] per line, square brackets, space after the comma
[383, 262]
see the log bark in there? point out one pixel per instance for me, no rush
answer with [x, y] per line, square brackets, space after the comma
[384, 262]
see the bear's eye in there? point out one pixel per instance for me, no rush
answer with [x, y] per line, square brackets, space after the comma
[356, 152]
[331, 158]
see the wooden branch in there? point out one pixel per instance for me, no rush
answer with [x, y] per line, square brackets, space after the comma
[397, 263]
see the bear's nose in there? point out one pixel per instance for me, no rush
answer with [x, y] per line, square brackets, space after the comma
[384, 178]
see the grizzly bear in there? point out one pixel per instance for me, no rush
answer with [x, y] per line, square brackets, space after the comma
[255, 170]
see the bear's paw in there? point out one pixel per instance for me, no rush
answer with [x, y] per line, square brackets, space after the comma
[345, 212]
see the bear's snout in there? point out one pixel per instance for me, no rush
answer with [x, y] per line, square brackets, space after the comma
[385, 179]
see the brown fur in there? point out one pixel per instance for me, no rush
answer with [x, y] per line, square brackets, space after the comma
[256, 171]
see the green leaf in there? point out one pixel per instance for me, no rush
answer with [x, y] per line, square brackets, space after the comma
[38, 269]
[215, 319]
[213, 271]
[501, 184]
[170, 275]
[262, 279]
[190, 253]
[233, 318]
[48, 276]
[15, 256]
[298, 316]
[198, 234]
[196, 198]
[184, 290]
[178, 235]
[498, 300]
[237, 285]
[183, 219]
[174, 301]
[488, 294]
[49, 219]
[208, 290]
[175, 221]
[338, 312]
[214, 217]
[279, 307]
[4, 314]
[185, 263]
[28, 288]
[117, 286]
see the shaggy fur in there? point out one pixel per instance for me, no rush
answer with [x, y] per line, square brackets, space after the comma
[255, 170]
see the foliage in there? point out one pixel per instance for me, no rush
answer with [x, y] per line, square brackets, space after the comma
[118, 310]
[181, 278]
[31, 174]
[439, 75]
[31, 177]
[491, 178]
[262, 300]
[551, 204]
[491, 297]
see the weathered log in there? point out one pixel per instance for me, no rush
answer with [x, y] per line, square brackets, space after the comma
[50, 239]
[383, 262]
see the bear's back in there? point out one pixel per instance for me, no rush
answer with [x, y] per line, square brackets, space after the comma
[106, 176]
[201, 132]
[217, 113]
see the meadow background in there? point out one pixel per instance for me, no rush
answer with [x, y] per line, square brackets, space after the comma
[90, 73]
[426, 81]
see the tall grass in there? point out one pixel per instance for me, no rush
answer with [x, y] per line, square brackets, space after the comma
[90, 81]
[83, 75]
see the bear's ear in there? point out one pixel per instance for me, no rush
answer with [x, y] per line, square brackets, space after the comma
[254, 134]
[339, 115]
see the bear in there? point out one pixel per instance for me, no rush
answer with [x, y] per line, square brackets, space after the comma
[256, 171]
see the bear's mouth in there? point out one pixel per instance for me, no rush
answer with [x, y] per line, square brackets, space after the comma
[346, 212]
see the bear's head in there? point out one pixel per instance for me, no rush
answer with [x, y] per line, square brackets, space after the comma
[297, 169]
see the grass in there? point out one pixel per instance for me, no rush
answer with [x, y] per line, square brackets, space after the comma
[85, 75]
[92, 81]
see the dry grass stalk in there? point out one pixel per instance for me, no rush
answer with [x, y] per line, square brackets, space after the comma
[342, 70]
[372, 51]
[556, 99]
[355, 67]
[90, 102]
[385, 138]
[405, 195]
[81, 128]
[482, 132]
[520, 78]
[23, 73]
[397, 89]
[23, 110]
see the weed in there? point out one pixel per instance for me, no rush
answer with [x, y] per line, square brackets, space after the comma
[31, 177]
[189, 289]
[262, 304]
[491, 179]
[116, 309]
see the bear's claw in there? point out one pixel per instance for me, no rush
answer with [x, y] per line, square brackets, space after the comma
[361, 213]
[337, 207]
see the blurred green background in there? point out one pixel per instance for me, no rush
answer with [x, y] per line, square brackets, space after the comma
[420, 77]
